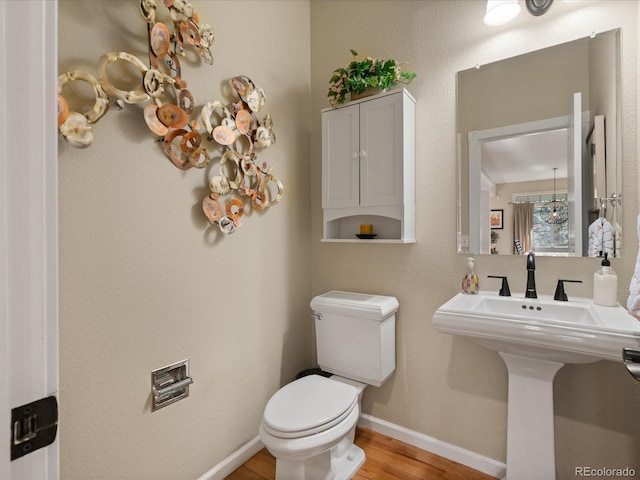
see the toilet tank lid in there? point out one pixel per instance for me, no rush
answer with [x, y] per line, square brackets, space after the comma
[364, 305]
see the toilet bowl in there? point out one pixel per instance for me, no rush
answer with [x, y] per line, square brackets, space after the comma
[309, 427]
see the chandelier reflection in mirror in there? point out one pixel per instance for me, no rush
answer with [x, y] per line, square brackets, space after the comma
[233, 129]
[554, 212]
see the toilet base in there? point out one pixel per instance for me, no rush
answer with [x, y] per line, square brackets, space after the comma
[339, 463]
[327, 455]
[347, 465]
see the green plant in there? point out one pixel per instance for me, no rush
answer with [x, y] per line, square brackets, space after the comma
[359, 75]
[494, 236]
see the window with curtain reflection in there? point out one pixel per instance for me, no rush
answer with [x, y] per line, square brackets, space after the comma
[546, 237]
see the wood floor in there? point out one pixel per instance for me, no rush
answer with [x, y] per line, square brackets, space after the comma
[387, 459]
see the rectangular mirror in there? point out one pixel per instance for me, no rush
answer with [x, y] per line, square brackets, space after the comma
[539, 152]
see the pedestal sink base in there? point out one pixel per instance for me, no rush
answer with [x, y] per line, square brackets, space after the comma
[535, 337]
[530, 433]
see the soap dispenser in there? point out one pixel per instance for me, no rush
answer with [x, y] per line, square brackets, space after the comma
[605, 285]
[470, 281]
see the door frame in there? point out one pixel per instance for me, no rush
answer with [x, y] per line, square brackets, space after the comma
[29, 223]
[479, 221]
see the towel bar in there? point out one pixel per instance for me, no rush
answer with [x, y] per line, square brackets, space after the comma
[631, 360]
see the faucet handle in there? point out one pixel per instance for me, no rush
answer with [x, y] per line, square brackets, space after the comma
[560, 294]
[504, 289]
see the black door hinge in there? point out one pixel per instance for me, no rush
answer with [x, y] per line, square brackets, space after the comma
[33, 426]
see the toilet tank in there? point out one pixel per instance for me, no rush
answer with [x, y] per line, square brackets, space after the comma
[356, 335]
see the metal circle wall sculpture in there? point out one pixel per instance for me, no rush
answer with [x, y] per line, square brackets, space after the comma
[236, 128]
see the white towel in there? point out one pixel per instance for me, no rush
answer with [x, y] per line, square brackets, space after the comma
[633, 302]
[601, 238]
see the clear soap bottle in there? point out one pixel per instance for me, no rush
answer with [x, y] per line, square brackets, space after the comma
[470, 280]
[605, 285]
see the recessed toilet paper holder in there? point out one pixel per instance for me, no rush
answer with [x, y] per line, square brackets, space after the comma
[170, 384]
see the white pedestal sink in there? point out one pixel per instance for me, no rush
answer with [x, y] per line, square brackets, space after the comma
[535, 338]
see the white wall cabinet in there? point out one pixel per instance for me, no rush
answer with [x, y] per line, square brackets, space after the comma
[368, 168]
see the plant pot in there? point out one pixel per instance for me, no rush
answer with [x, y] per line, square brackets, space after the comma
[367, 92]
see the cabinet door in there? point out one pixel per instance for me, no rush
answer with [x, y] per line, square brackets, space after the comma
[340, 159]
[381, 151]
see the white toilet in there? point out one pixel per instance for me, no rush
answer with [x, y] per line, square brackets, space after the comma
[309, 424]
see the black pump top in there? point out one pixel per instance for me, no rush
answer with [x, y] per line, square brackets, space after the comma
[606, 262]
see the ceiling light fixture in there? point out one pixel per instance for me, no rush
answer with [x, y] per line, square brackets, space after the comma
[500, 12]
[554, 212]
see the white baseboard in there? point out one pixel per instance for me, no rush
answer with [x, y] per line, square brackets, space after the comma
[433, 445]
[417, 439]
[235, 460]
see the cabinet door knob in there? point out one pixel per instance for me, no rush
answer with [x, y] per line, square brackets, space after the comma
[363, 153]
[354, 155]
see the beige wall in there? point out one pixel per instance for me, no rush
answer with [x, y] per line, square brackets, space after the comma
[446, 387]
[144, 281]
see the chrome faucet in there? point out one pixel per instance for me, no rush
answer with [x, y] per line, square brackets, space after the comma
[531, 276]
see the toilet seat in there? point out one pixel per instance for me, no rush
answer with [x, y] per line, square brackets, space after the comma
[307, 406]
